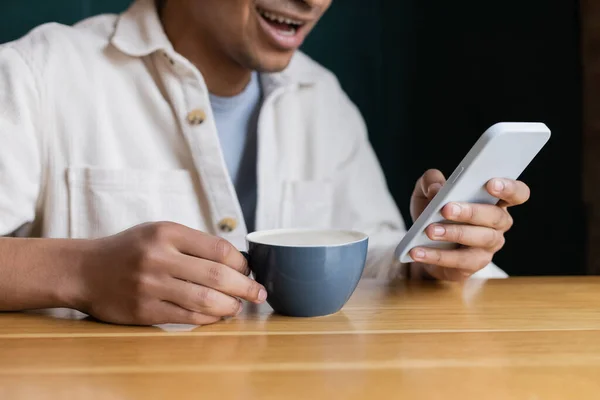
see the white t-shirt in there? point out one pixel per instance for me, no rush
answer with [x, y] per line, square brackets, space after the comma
[236, 118]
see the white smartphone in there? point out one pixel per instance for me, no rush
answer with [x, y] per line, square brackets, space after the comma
[503, 151]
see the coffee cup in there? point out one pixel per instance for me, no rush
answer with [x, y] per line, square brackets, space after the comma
[307, 273]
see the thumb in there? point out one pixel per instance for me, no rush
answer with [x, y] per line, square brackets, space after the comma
[431, 182]
[433, 189]
[426, 188]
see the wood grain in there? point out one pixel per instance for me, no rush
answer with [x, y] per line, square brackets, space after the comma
[495, 305]
[525, 338]
[299, 352]
[517, 383]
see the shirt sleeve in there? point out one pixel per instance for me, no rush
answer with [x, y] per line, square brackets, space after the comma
[19, 147]
[367, 204]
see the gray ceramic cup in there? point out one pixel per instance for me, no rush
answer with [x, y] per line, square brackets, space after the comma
[307, 273]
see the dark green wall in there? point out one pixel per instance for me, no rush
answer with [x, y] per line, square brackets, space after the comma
[19, 16]
[430, 76]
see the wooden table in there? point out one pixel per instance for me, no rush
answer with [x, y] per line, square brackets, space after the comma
[508, 339]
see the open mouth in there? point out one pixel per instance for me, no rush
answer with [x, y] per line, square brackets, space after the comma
[283, 25]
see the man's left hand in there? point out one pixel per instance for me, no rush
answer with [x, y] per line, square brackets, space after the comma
[478, 228]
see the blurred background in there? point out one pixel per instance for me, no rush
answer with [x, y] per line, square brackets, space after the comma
[430, 76]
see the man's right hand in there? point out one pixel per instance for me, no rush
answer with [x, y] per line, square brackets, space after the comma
[164, 273]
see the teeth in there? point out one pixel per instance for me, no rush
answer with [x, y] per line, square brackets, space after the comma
[291, 32]
[279, 18]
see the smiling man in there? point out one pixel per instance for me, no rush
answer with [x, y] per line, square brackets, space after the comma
[138, 150]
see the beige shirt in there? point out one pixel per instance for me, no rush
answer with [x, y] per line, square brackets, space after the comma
[104, 126]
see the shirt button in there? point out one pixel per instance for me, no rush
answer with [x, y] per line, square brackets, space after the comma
[228, 225]
[196, 117]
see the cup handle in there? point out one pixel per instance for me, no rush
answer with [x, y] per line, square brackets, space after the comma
[246, 256]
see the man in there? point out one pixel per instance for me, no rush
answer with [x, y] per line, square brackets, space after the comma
[202, 114]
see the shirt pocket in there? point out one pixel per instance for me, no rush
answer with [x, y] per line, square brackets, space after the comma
[307, 205]
[103, 202]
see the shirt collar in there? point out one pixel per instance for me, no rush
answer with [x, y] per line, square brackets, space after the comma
[139, 33]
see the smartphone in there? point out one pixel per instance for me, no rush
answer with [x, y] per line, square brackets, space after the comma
[503, 151]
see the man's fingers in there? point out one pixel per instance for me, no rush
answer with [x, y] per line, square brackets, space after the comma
[200, 299]
[479, 215]
[433, 190]
[432, 177]
[201, 245]
[469, 258]
[219, 277]
[511, 192]
[447, 274]
[467, 235]
[173, 314]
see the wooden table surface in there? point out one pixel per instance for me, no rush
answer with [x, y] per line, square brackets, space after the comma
[521, 338]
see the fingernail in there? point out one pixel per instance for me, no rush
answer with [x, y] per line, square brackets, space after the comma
[498, 185]
[455, 210]
[262, 295]
[466, 274]
[432, 188]
[240, 309]
[439, 231]
[420, 254]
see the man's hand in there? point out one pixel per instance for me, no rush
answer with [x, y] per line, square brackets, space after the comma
[164, 273]
[478, 228]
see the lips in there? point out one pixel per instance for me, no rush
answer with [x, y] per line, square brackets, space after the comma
[284, 32]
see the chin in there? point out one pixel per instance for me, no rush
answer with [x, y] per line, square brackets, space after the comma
[274, 67]
[271, 63]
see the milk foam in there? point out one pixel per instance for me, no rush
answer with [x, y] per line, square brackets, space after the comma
[306, 238]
